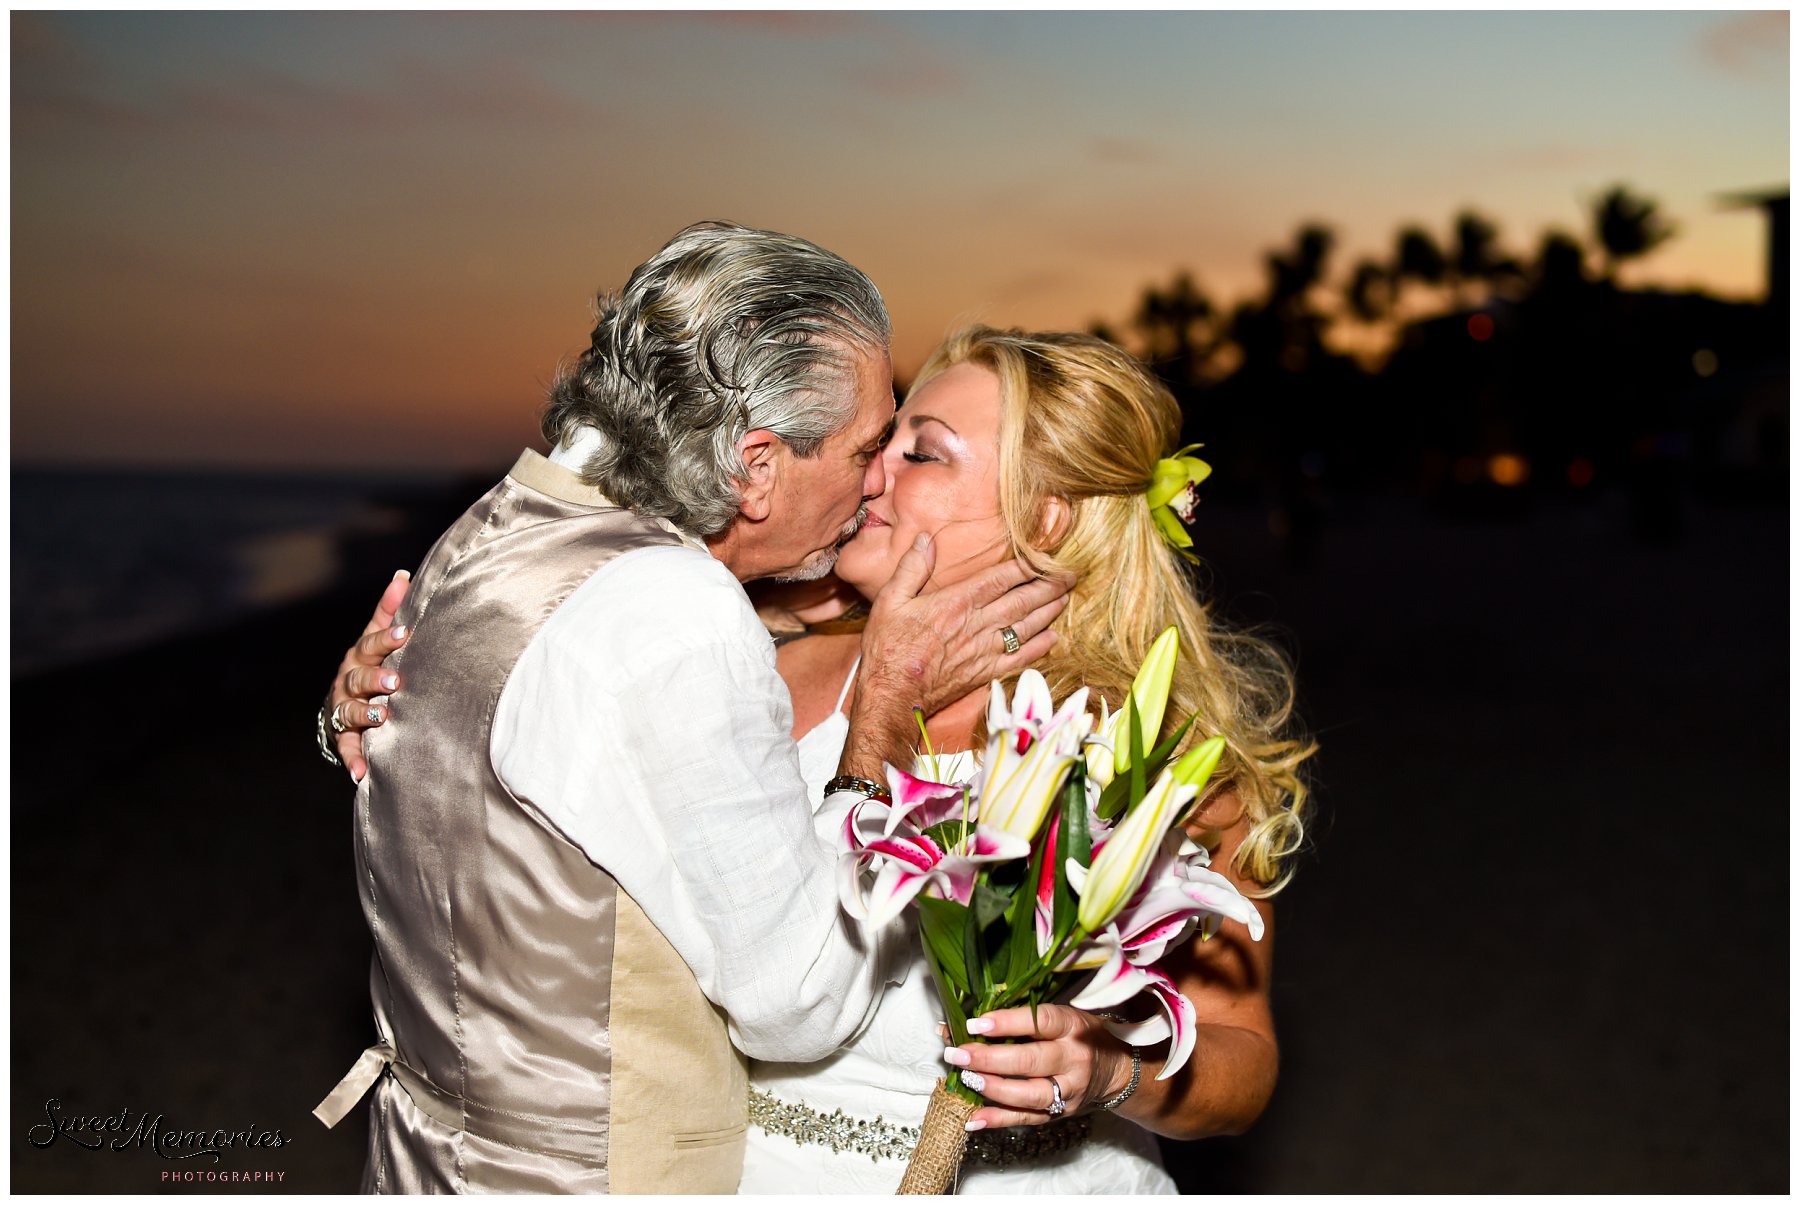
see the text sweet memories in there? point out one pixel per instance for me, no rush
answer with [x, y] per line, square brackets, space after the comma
[118, 1132]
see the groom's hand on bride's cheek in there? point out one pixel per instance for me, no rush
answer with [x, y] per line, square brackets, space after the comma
[949, 641]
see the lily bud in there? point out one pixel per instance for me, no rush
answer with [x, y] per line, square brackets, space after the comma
[1100, 756]
[1149, 697]
[1121, 864]
[1198, 763]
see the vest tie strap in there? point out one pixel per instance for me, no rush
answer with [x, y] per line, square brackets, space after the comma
[355, 1085]
[521, 1131]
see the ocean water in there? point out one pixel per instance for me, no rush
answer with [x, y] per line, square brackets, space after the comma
[104, 561]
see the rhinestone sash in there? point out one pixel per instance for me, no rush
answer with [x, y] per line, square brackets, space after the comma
[880, 1139]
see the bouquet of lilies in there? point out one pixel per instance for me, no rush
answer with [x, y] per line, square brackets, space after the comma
[1061, 871]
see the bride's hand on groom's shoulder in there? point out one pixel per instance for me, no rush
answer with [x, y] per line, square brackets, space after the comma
[1088, 1063]
[360, 678]
[942, 644]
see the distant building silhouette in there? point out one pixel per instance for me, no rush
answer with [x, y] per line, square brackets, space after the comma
[1774, 205]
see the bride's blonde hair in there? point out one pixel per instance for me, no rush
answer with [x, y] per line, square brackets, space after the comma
[1084, 422]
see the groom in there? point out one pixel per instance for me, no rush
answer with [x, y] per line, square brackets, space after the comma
[583, 847]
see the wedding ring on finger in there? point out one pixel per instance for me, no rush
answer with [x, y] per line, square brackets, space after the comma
[1009, 640]
[337, 721]
[1057, 1107]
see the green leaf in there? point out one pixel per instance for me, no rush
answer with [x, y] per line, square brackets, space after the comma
[989, 903]
[1136, 737]
[942, 925]
[949, 833]
[1114, 800]
[1021, 918]
[954, 1014]
[1072, 841]
[974, 957]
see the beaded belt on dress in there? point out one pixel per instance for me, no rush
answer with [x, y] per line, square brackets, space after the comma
[879, 1139]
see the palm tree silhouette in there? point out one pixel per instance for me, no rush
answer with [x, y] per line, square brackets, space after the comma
[1418, 258]
[1370, 293]
[1174, 324]
[1627, 227]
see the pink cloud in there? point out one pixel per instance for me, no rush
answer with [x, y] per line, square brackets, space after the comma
[1555, 157]
[1122, 150]
[415, 93]
[808, 24]
[1751, 45]
[909, 79]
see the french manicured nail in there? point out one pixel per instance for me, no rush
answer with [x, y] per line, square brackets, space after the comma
[389, 681]
[921, 542]
[403, 575]
[399, 632]
[974, 1079]
[974, 1125]
[980, 1025]
[956, 1056]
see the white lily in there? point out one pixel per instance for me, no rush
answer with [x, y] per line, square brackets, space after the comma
[1029, 754]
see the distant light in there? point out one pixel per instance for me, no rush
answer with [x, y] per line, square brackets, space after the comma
[1705, 362]
[1481, 328]
[1507, 469]
[1468, 470]
[1581, 473]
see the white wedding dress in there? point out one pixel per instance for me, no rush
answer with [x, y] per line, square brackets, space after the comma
[886, 1073]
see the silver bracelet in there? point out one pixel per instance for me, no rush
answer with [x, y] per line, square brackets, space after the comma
[1137, 1069]
[325, 741]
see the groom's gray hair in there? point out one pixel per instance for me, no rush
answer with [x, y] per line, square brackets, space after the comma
[724, 331]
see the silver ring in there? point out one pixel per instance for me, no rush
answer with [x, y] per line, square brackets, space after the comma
[374, 715]
[337, 724]
[1057, 1107]
[1009, 639]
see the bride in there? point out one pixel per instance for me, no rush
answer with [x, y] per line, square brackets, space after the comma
[1040, 446]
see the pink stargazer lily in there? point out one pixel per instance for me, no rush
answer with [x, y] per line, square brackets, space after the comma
[1046, 888]
[907, 859]
[911, 862]
[1178, 893]
[1032, 714]
[1176, 1024]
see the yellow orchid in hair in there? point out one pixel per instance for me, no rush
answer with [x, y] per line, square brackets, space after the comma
[1174, 494]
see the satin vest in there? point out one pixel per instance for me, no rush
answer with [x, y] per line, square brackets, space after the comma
[538, 1033]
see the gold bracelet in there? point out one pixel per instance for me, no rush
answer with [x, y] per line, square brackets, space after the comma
[850, 782]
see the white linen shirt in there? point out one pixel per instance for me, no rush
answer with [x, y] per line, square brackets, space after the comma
[646, 722]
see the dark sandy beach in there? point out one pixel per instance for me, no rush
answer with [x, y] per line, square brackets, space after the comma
[1540, 944]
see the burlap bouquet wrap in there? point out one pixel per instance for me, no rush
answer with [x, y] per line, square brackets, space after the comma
[932, 1169]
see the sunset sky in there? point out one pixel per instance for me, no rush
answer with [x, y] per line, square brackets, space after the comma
[343, 239]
